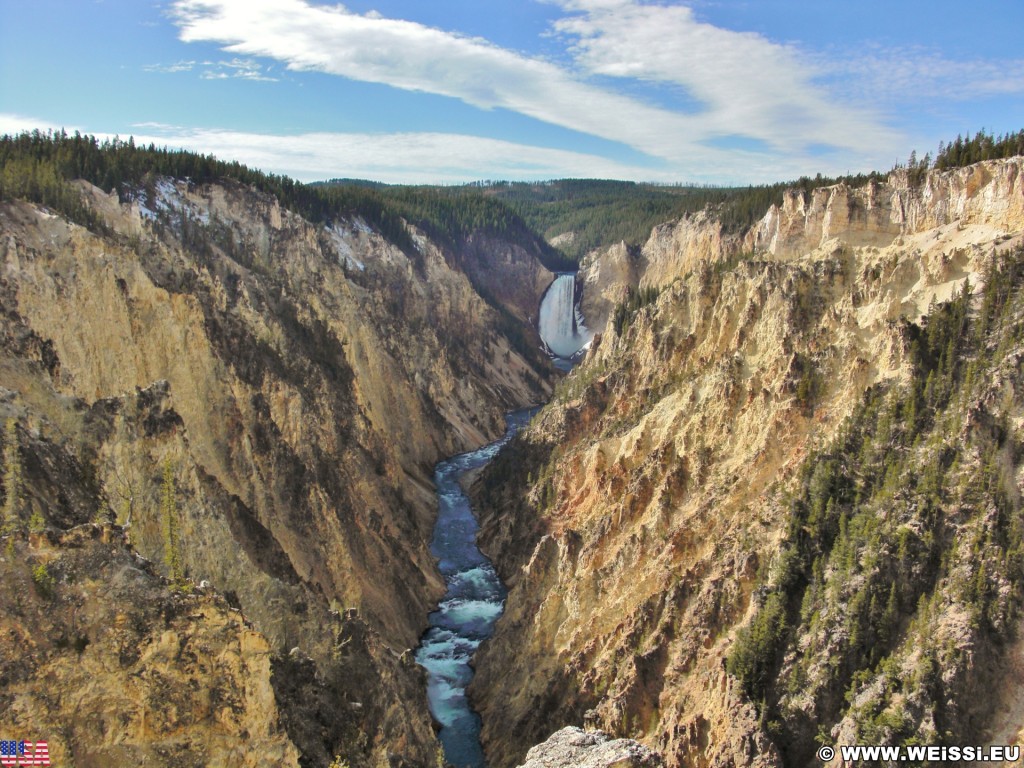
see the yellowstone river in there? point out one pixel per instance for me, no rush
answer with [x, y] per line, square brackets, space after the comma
[466, 614]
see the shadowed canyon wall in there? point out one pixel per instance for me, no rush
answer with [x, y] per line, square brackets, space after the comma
[286, 388]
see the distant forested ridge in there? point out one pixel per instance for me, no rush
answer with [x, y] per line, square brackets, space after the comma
[586, 213]
[599, 213]
[595, 212]
[40, 167]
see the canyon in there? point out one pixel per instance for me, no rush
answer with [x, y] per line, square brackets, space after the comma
[281, 388]
[644, 520]
[287, 388]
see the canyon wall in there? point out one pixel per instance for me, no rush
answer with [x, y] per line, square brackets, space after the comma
[982, 196]
[292, 386]
[644, 519]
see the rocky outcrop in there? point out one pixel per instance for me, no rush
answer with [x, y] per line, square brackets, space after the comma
[989, 194]
[605, 276]
[576, 748]
[656, 480]
[511, 274]
[982, 202]
[293, 385]
[101, 659]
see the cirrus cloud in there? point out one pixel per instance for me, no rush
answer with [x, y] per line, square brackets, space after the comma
[747, 85]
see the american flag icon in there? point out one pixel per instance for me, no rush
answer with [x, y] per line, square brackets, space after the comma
[24, 753]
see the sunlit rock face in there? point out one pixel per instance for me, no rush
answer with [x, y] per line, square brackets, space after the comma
[575, 748]
[631, 519]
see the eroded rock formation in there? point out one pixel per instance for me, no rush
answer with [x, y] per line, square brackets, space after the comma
[657, 479]
[576, 748]
[293, 386]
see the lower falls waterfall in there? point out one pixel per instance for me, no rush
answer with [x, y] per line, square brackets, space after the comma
[561, 323]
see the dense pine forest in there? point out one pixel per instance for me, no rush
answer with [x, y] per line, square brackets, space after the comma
[40, 167]
[983, 146]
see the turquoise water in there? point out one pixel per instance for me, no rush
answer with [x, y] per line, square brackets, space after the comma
[472, 604]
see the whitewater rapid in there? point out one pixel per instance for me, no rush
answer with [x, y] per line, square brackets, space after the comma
[472, 604]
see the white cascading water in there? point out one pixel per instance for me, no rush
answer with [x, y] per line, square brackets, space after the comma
[561, 324]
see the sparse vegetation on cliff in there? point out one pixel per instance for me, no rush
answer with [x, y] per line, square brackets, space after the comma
[10, 518]
[636, 299]
[910, 518]
[171, 527]
[772, 586]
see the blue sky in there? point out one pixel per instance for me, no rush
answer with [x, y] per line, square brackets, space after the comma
[445, 91]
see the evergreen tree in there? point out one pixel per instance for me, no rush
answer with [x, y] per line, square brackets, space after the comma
[12, 479]
[169, 518]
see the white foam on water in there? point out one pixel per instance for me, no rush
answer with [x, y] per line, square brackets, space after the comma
[561, 324]
[479, 581]
[467, 611]
[447, 701]
[474, 601]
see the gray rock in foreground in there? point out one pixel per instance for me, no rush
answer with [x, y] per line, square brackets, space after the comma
[575, 748]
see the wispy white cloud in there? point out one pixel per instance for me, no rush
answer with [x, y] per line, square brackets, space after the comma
[413, 158]
[245, 69]
[11, 124]
[414, 57]
[917, 74]
[170, 69]
[752, 109]
[154, 125]
[747, 85]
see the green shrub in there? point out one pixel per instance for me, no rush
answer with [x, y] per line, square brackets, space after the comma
[754, 656]
[43, 580]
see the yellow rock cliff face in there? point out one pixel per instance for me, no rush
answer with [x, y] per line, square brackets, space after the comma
[986, 199]
[299, 382]
[655, 475]
[110, 667]
[987, 194]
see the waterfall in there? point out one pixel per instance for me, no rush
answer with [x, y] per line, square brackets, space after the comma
[561, 323]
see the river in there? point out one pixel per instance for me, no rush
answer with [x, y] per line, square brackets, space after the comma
[472, 604]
